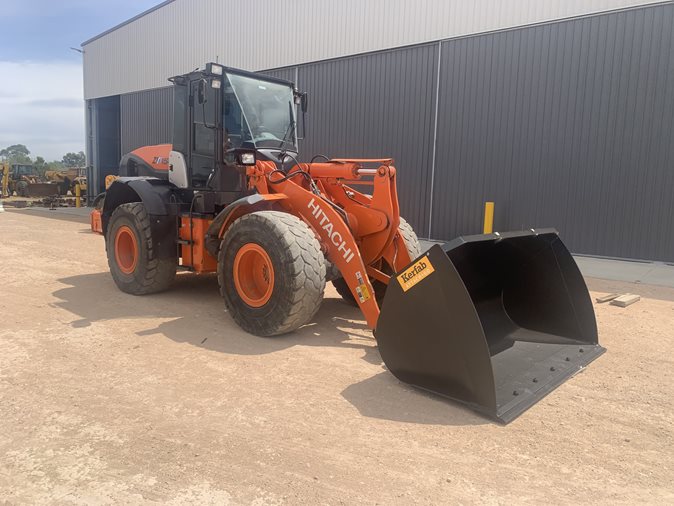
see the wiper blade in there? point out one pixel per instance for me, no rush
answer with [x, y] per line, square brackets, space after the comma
[290, 130]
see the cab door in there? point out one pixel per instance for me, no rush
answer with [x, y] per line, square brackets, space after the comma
[205, 112]
[209, 165]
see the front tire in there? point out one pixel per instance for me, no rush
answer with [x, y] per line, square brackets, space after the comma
[132, 255]
[271, 272]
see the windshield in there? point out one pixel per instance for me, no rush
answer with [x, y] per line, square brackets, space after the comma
[258, 111]
[25, 170]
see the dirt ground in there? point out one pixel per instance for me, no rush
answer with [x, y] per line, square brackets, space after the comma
[109, 398]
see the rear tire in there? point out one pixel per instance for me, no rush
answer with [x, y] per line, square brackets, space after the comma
[414, 249]
[131, 251]
[271, 273]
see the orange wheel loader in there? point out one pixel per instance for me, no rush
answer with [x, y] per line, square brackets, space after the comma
[492, 321]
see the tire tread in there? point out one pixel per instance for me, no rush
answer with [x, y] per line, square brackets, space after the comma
[305, 260]
[159, 272]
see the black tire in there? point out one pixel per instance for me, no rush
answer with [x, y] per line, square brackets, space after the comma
[150, 274]
[298, 272]
[345, 293]
[410, 239]
[413, 247]
[22, 189]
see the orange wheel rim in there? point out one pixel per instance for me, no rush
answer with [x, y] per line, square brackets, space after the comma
[126, 250]
[253, 275]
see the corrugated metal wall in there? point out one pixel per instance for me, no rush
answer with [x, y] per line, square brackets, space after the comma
[147, 118]
[260, 34]
[377, 106]
[566, 124]
[103, 124]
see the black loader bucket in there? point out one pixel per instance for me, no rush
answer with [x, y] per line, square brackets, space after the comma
[493, 321]
[42, 189]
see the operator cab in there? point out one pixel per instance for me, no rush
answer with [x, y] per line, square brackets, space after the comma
[20, 170]
[225, 119]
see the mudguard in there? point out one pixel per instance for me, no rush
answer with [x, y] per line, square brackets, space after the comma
[234, 210]
[155, 194]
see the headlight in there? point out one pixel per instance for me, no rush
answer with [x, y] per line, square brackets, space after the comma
[216, 83]
[247, 158]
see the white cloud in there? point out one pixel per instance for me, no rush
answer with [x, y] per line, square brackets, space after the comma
[41, 106]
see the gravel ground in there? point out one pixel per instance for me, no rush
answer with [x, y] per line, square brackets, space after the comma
[109, 398]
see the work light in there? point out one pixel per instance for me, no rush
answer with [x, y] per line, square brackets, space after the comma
[215, 69]
[247, 158]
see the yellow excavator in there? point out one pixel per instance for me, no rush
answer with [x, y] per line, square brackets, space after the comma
[4, 180]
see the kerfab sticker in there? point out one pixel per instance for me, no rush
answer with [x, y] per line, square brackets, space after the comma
[415, 273]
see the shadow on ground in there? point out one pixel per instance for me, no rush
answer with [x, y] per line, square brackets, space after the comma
[383, 396]
[65, 214]
[195, 314]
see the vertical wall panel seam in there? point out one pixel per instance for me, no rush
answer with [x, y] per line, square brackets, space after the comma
[435, 138]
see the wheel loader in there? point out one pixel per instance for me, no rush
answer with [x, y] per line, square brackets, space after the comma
[25, 181]
[491, 321]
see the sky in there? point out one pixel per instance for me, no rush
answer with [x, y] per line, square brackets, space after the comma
[41, 101]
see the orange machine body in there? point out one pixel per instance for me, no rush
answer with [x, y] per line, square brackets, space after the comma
[156, 156]
[96, 222]
[358, 232]
[193, 252]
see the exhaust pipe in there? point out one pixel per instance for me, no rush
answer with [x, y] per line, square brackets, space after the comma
[492, 321]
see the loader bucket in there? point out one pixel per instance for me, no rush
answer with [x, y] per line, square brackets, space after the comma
[493, 321]
[42, 189]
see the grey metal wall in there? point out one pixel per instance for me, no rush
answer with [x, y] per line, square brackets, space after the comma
[258, 34]
[103, 125]
[147, 118]
[567, 124]
[377, 106]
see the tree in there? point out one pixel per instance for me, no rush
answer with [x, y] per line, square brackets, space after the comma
[40, 165]
[55, 165]
[16, 153]
[74, 159]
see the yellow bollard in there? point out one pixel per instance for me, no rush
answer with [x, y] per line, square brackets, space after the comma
[78, 193]
[488, 218]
